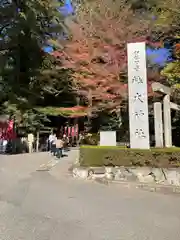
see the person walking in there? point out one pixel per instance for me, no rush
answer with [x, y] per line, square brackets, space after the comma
[59, 147]
[66, 142]
[49, 141]
[52, 143]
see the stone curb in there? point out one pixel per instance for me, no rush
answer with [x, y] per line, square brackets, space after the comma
[104, 176]
[166, 189]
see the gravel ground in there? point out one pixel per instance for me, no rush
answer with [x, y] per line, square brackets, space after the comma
[51, 205]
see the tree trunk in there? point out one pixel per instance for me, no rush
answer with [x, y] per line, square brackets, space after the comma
[37, 141]
[89, 107]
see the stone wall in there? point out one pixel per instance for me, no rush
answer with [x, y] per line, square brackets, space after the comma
[131, 174]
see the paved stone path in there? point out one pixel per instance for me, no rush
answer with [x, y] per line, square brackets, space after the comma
[50, 205]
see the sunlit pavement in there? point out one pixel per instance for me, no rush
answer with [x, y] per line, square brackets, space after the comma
[51, 205]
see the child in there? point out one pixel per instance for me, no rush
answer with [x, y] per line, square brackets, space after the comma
[59, 147]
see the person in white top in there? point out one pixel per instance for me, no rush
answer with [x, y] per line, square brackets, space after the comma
[52, 143]
[50, 137]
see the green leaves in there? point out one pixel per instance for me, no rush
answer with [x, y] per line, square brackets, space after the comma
[26, 118]
[25, 27]
[172, 72]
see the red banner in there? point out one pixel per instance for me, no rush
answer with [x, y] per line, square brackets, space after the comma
[7, 131]
[72, 131]
[77, 130]
[65, 131]
[69, 131]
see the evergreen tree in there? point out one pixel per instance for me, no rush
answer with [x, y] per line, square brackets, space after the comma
[26, 26]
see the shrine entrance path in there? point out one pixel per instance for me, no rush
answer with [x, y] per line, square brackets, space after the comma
[51, 205]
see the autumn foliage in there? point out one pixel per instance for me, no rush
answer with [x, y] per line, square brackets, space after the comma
[96, 73]
[97, 52]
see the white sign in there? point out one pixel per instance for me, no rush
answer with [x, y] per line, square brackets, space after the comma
[108, 138]
[138, 96]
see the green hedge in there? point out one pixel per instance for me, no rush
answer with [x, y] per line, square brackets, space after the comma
[118, 156]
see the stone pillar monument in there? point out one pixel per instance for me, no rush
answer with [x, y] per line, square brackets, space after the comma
[158, 124]
[167, 121]
[138, 96]
[30, 142]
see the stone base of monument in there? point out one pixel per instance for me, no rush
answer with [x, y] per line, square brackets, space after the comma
[142, 176]
[88, 173]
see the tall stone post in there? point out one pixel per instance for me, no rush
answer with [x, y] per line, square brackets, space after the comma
[30, 142]
[138, 96]
[37, 141]
[158, 124]
[167, 121]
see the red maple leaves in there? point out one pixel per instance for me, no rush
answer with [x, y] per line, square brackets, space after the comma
[96, 72]
[97, 53]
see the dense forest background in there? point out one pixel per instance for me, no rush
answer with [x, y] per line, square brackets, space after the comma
[56, 56]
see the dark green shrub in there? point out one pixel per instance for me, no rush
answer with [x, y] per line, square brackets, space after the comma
[119, 156]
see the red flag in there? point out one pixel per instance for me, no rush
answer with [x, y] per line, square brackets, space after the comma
[73, 131]
[77, 130]
[69, 131]
[10, 134]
